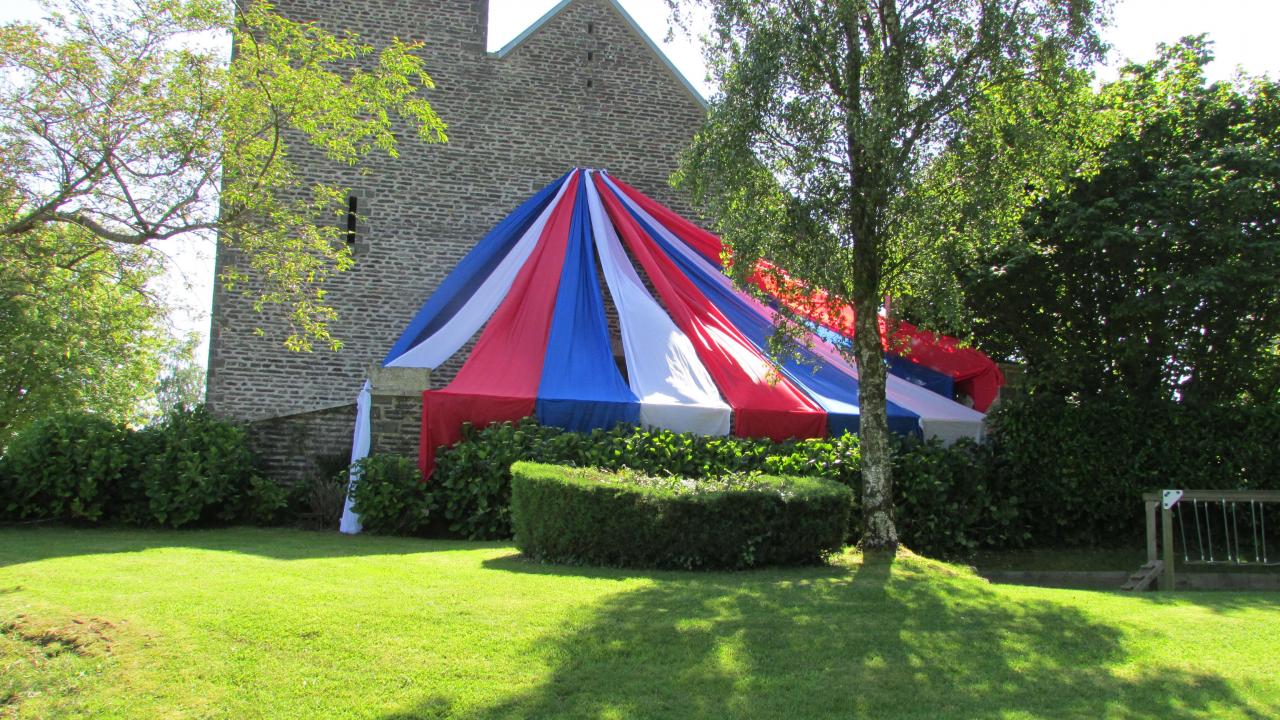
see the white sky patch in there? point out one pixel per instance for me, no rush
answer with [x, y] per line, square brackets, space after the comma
[1242, 31]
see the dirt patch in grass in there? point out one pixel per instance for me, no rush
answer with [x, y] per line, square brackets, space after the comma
[47, 661]
[79, 636]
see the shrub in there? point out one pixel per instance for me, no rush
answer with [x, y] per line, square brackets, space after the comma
[198, 469]
[473, 478]
[1083, 465]
[390, 496]
[948, 501]
[322, 497]
[589, 516]
[68, 466]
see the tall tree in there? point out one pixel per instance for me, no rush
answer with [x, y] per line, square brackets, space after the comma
[126, 120]
[818, 149]
[78, 329]
[1156, 274]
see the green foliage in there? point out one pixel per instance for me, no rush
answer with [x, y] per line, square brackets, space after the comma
[65, 467]
[586, 516]
[78, 330]
[820, 152]
[198, 469]
[949, 503]
[124, 122]
[391, 497]
[188, 469]
[1156, 274]
[1083, 466]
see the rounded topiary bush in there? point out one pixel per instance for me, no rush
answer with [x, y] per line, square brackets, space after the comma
[595, 517]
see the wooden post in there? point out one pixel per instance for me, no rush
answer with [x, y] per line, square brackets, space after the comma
[1152, 555]
[1166, 539]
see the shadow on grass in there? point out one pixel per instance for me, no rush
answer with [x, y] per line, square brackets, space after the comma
[29, 544]
[884, 639]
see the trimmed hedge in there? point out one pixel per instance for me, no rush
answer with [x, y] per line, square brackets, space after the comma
[1083, 465]
[594, 517]
[948, 501]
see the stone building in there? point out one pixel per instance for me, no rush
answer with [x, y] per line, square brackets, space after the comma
[582, 87]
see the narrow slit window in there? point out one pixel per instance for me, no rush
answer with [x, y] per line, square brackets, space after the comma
[588, 82]
[590, 56]
[591, 28]
[353, 213]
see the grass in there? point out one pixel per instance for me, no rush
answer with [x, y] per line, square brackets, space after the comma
[283, 624]
[1095, 560]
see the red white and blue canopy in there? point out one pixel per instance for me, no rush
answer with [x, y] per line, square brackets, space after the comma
[695, 356]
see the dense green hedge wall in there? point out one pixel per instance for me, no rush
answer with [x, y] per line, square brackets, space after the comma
[947, 503]
[188, 469]
[593, 517]
[1081, 467]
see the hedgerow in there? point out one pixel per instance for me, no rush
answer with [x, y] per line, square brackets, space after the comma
[628, 519]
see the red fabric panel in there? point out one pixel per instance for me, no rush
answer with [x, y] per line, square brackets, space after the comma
[499, 380]
[705, 243]
[775, 410]
[975, 374]
[444, 412]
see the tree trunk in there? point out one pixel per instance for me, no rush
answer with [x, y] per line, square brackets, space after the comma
[878, 531]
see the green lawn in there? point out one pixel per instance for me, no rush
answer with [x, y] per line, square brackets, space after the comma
[286, 624]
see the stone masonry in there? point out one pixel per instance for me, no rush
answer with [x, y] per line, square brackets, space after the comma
[584, 88]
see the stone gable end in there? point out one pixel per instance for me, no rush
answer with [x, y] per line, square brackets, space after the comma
[583, 89]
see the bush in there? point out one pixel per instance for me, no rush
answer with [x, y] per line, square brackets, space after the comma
[948, 501]
[67, 467]
[1084, 465]
[473, 478]
[390, 496]
[588, 516]
[198, 470]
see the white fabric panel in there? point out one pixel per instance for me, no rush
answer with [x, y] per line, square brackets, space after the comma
[940, 417]
[350, 523]
[663, 369]
[442, 344]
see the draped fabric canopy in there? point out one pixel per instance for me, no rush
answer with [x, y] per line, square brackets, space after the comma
[694, 348]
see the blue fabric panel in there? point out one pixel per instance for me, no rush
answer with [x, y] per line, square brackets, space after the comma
[918, 374]
[581, 388]
[830, 387]
[472, 271]
[914, 373]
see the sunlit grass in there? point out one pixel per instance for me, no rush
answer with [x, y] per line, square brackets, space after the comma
[283, 624]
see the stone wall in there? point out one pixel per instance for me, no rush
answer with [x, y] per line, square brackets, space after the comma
[583, 90]
[295, 448]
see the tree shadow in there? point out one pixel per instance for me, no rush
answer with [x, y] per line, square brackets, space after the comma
[882, 639]
[30, 544]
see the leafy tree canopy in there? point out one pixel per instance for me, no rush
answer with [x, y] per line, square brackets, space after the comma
[125, 120]
[821, 149]
[1156, 273]
[78, 329]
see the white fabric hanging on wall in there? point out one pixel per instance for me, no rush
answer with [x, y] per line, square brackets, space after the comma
[350, 523]
[663, 369]
[442, 344]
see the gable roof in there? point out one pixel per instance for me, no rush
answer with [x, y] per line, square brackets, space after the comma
[635, 27]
